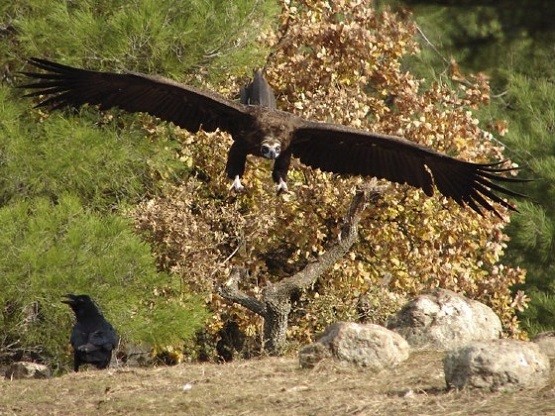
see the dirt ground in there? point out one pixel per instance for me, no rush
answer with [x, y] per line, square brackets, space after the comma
[266, 386]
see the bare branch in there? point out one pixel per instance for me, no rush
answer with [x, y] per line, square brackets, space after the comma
[370, 191]
[230, 291]
[275, 305]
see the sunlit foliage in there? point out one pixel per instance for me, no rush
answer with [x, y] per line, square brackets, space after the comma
[341, 62]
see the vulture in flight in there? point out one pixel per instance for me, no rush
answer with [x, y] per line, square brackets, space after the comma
[258, 128]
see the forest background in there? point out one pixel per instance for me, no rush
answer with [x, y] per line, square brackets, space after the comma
[138, 214]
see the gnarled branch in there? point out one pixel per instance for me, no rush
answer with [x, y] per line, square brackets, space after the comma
[275, 304]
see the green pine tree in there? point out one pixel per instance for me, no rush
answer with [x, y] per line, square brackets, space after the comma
[68, 181]
[513, 43]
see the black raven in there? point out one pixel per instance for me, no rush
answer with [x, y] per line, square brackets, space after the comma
[264, 131]
[93, 338]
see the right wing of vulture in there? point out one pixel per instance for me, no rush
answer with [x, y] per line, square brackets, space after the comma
[345, 150]
[185, 106]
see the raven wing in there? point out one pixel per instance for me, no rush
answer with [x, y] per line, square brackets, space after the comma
[86, 341]
[185, 106]
[79, 336]
[345, 150]
[105, 338]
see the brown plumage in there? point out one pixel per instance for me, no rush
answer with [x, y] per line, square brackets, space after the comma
[258, 128]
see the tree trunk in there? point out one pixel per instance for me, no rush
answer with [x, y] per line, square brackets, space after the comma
[275, 305]
[276, 317]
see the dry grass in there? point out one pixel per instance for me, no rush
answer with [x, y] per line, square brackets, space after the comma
[269, 386]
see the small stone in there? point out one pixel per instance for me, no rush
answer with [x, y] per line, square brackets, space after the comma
[312, 354]
[365, 345]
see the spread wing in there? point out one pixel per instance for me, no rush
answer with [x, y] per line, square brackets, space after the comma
[344, 150]
[185, 106]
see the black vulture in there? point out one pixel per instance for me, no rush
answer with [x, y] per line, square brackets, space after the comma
[258, 128]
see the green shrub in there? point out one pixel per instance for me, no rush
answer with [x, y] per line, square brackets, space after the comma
[53, 249]
[163, 36]
[65, 178]
[70, 154]
[538, 317]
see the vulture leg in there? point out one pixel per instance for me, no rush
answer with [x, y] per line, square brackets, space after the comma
[235, 167]
[236, 184]
[279, 174]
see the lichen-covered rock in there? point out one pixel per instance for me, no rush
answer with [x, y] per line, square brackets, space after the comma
[546, 342]
[366, 345]
[444, 320]
[312, 354]
[24, 369]
[502, 364]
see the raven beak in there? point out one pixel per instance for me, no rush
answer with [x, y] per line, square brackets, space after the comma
[70, 300]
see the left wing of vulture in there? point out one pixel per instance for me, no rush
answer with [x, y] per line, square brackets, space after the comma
[345, 150]
[185, 106]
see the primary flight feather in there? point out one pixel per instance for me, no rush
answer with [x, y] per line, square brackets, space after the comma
[258, 128]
